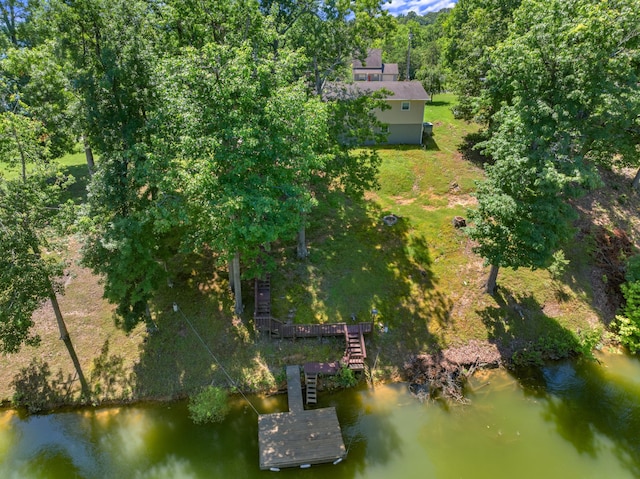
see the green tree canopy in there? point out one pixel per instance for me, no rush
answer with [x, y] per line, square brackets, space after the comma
[563, 86]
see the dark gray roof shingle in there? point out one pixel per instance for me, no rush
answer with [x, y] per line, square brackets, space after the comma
[373, 60]
[402, 90]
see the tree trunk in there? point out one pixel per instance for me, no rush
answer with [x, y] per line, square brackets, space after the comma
[636, 181]
[303, 252]
[237, 289]
[88, 153]
[231, 274]
[64, 335]
[491, 282]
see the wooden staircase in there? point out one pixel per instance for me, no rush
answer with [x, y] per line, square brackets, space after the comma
[263, 298]
[311, 382]
[355, 353]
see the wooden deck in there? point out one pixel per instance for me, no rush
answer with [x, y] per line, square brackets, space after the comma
[322, 368]
[299, 437]
[279, 329]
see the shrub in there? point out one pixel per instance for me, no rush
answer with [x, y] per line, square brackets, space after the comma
[209, 405]
[346, 377]
[628, 323]
[633, 269]
[558, 265]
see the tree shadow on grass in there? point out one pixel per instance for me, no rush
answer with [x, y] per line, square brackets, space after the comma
[37, 389]
[77, 192]
[359, 264]
[203, 342]
[469, 151]
[110, 379]
[522, 332]
[437, 103]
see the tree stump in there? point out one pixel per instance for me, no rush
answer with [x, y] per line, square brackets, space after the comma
[459, 222]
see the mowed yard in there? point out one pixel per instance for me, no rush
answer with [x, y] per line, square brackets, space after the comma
[420, 275]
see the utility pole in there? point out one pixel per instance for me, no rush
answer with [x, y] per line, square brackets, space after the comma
[407, 78]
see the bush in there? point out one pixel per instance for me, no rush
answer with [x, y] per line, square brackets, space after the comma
[561, 345]
[558, 265]
[628, 323]
[633, 269]
[209, 405]
[346, 377]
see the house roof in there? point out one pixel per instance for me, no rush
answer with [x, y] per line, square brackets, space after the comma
[373, 60]
[390, 69]
[402, 90]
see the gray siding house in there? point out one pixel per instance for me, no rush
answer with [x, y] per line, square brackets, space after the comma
[372, 68]
[405, 117]
[406, 99]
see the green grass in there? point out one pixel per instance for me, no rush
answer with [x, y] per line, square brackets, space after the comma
[420, 275]
[73, 164]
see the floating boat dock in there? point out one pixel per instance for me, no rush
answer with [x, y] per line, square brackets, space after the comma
[299, 438]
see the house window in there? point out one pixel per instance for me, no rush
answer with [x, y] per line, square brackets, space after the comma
[405, 106]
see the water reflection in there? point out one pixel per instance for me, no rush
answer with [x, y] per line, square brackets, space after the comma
[594, 412]
[565, 420]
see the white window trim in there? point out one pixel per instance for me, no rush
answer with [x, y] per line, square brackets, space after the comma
[402, 108]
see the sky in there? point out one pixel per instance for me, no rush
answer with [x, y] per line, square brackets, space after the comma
[419, 6]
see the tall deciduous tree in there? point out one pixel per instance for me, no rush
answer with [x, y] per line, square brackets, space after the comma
[111, 47]
[522, 216]
[247, 143]
[471, 31]
[566, 82]
[27, 274]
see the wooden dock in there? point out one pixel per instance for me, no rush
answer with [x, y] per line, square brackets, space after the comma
[298, 437]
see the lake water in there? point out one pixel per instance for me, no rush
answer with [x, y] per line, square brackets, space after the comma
[567, 420]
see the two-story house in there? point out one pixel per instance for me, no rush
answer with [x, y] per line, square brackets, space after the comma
[405, 118]
[372, 69]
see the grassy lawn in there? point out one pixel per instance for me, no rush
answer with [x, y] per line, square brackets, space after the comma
[419, 274]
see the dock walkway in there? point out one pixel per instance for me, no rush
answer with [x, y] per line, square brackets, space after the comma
[294, 389]
[299, 437]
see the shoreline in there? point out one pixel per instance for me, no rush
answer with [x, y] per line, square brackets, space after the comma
[490, 358]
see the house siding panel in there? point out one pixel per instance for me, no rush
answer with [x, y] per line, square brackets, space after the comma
[409, 134]
[395, 115]
[405, 127]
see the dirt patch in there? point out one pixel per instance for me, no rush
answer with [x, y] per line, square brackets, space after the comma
[405, 201]
[608, 217]
[461, 200]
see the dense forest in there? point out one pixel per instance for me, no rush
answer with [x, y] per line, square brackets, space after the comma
[212, 133]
